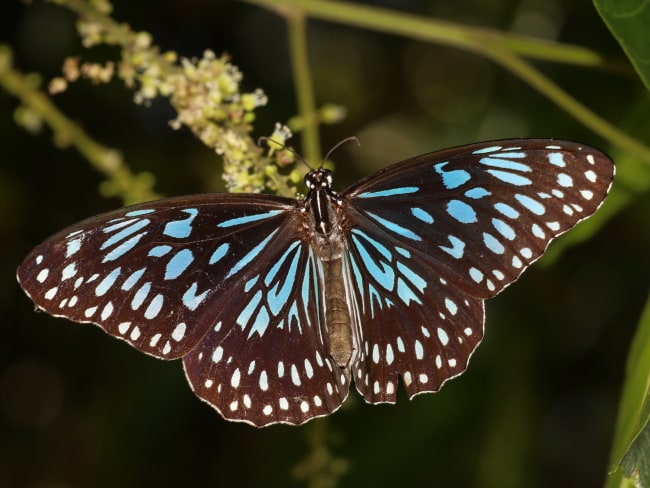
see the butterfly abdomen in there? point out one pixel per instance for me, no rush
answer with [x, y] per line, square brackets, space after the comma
[337, 315]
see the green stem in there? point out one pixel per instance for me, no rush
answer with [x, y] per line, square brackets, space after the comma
[445, 32]
[304, 85]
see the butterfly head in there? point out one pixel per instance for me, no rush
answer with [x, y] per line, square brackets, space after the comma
[319, 179]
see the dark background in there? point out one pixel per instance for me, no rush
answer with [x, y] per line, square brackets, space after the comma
[538, 403]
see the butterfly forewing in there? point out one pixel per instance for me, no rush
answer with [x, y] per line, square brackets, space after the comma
[482, 213]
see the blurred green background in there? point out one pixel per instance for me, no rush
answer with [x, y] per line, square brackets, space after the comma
[536, 407]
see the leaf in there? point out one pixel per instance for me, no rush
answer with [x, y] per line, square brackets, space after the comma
[628, 21]
[636, 460]
[631, 450]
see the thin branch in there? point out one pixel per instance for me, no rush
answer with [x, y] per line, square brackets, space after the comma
[123, 183]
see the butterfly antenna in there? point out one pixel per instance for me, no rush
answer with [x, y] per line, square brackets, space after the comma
[344, 141]
[283, 146]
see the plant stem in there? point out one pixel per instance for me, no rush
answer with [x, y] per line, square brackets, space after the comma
[304, 85]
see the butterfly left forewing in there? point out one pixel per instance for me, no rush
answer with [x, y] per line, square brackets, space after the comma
[153, 274]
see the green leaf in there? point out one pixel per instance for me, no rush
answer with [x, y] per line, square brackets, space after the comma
[631, 449]
[629, 22]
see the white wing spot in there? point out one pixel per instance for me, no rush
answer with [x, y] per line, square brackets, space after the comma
[247, 401]
[317, 401]
[284, 404]
[407, 378]
[452, 362]
[451, 306]
[123, 327]
[69, 271]
[234, 405]
[442, 335]
[295, 378]
[390, 357]
[423, 378]
[42, 275]
[264, 382]
[390, 388]
[267, 410]
[89, 312]
[154, 307]
[135, 333]
[51, 293]
[154, 339]
[179, 331]
[107, 310]
[304, 406]
[319, 359]
[234, 379]
[208, 383]
[308, 369]
[217, 354]
[419, 350]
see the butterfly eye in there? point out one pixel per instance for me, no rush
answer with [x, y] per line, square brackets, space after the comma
[277, 306]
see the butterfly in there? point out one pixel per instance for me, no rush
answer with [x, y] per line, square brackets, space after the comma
[277, 305]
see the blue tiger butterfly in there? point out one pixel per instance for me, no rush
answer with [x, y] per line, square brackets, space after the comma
[277, 305]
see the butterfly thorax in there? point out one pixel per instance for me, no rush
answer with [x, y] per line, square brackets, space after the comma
[323, 220]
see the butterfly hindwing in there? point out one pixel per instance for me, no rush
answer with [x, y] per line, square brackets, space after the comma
[415, 323]
[265, 361]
